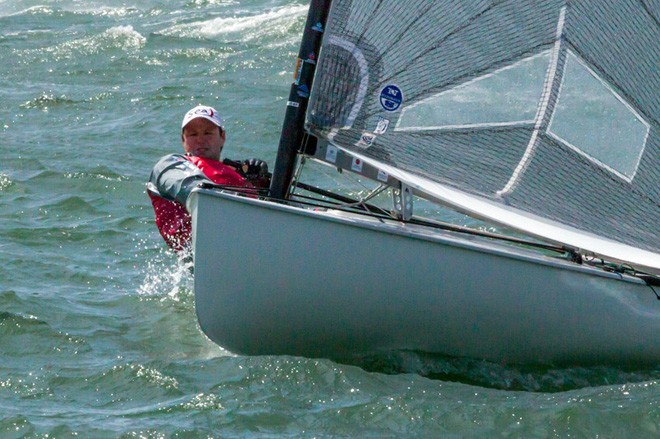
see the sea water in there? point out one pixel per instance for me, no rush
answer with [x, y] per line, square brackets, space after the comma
[98, 334]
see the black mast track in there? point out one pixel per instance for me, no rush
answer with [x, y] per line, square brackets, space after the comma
[291, 138]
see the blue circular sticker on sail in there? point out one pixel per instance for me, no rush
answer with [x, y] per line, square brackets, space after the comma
[391, 97]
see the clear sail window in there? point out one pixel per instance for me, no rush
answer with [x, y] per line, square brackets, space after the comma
[594, 120]
[510, 95]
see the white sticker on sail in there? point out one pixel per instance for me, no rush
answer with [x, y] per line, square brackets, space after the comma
[366, 140]
[382, 176]
[331, 154]
[356, 165]
[382, 125]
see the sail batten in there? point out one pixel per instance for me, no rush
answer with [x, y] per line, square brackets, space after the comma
[545, 106]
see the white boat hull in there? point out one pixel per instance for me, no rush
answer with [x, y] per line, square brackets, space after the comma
[276, 279]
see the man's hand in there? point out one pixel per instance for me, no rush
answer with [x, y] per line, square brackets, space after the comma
[254, 168]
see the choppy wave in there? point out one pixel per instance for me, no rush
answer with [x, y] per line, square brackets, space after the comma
[130, 375]
[16, 10]
[46, 10]
[46, 100]
[24, 334]
[100, 172]
[499, 376]
[36, 175]
[265, 26]
[124, 38]
[204, 3]
[29, 167]
[45, 236]
[97, 179]
[71, 204]
[12, 324]
[107, 11]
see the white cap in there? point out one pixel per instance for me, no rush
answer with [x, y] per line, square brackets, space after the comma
[207, 113]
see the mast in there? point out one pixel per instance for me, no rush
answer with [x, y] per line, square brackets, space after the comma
[292, 134]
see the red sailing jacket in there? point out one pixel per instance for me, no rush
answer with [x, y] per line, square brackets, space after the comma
[172, 218]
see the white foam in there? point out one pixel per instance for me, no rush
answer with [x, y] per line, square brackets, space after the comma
[39, 9]
[47, 10]
[118, 37]
[245, 28]
[107, 11]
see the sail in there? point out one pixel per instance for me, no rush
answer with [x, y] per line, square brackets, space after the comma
[546, 110]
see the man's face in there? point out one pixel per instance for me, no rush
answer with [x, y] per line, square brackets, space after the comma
[202, 138]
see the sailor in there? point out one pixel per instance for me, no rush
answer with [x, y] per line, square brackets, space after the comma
[176, 175]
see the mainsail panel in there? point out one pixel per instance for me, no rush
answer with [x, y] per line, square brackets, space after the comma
[483, 97]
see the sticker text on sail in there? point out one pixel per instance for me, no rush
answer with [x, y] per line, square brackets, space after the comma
[391, 97]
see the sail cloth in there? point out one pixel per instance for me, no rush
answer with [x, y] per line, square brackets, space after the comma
[548, 108]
